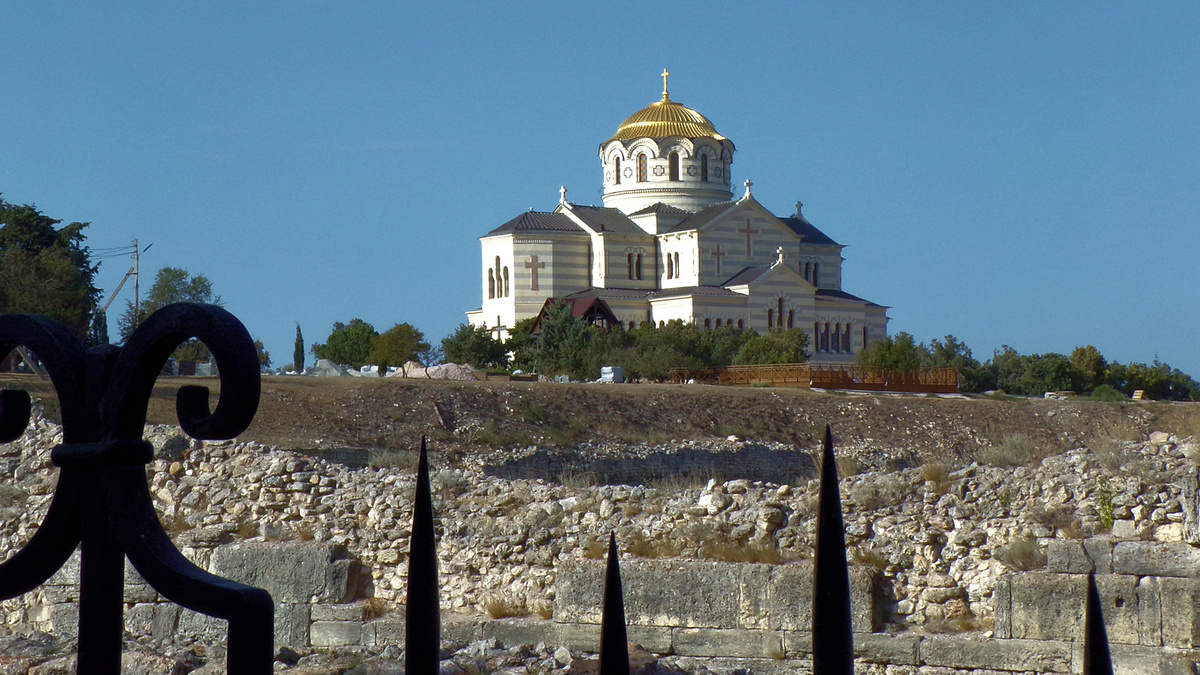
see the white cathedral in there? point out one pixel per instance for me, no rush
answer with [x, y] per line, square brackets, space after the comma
[671, 243]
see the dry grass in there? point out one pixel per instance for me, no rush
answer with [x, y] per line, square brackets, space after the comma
[595, 549]
[958, 624]
[403, 460]
[576, 479]
[868, 556]
[503, 607]
[1023, 554]
[731, 551]
[1011, 451]
[638, 545]
[375, 608]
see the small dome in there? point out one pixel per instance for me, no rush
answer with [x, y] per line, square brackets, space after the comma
[665, 118]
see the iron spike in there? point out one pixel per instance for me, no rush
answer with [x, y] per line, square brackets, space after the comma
[422, 622]
[614, 644]
[1096, 658]
[832, 633]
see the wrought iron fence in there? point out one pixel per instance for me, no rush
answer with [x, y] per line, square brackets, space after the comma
[807, 375]
[102, 504]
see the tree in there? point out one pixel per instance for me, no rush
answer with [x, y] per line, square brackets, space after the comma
[348, 343]
[171, 285]
[777, 346]
[264, 356]
[298, 351]
[98, 335]
[953, 353]
[897, 353]
[44, 270]
[1089, 365]
[398, 345]
[475, 345]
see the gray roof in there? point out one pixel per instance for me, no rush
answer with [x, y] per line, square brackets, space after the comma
[538, 221]
[747, 275]
[662, 209]
[604, 219]
[809, 232]
[710, 291]
[832, 294]
[614, 293]
[702, 217]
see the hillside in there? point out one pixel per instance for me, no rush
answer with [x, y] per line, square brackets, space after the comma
[463, 417]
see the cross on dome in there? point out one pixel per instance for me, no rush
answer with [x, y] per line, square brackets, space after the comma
[562, 194]
[665, 73]
[748, 185]
[779, 252]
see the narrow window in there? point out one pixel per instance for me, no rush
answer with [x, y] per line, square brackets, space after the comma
[670, 268]
[629, 264]
[708, 324]
[846, 339]
[816, 275]
[816, 336]
[864, 343]
[506, 281]
[825, 339]
[728, 322]
[642, 168]
[491, 284]
[740, 325]
[837, 338]
[791, 317]
[770, 317]
[704, 168]
[677, 272]
[673, 166]
[808, 272]
[617, 173]
[631, 325]
[637, 270]
[780, 314]
[662, 324]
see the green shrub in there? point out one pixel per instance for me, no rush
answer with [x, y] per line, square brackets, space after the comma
[1011, 451]
[1107, 392]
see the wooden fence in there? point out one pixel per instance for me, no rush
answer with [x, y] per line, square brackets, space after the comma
[807, 375]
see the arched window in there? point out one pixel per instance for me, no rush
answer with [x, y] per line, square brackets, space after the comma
[808, 272]
[728, 322]
[825, 339]
[816, 275]
[617, 173]
[677, 272]
[770, 318]
[670, 267]
[632, 325]
[629, 264]
[491, 283]
[741, 325]
[708, 324]
[642, 168]
[673, 166]
[846, 339]
[791, 317]
[837, 338]
[780, 314]
[864, 342]
[637, 269]
[704, 168]
[506, 281]
[662, 324]
[816, 336]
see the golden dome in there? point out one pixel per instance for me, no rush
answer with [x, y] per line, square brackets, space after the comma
[665, 118]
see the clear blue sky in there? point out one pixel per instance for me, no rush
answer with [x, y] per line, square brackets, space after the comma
[1021, 173]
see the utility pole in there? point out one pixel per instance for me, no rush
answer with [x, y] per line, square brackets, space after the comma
[136, 295]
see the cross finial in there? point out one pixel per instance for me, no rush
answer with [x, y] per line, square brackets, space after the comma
[748, 185]
[665, 73]
[779, 252]
[799, 205]
[562, 195]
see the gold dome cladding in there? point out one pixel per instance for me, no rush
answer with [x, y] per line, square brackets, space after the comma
[665, 118]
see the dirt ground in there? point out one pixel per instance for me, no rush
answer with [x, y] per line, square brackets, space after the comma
[388, 415]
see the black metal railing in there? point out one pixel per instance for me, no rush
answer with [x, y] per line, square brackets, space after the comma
[102, 501]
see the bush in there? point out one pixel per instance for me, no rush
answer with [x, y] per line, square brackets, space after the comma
[1023, 554]
[1012, 451]
[1107, 392]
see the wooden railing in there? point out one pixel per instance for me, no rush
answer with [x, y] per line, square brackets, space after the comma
[933, 380]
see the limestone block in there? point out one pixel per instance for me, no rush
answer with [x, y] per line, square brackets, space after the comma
[1190, 487]
[796, 643]
[384, 632]
[165, 621]
[691, 594]
[139, 619]
[1048, 606]
[1067, 556]
[579, 636]
[1180, 599]
[1018, 655]
[1126, 659]
[729, 642]
[64, 618]
[335, 633]
[68, 574]
[196, 625]
[1002, 607]
[291, 572]
[60, 594]
[340, 612]
[1154, 559]
[900, 650]
[651, 638]
[513, 632]
[292, 624]
[1149, 612]
[789, 604]
[1099, 550]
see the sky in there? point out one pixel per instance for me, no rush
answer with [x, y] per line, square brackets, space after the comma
[1012, 173]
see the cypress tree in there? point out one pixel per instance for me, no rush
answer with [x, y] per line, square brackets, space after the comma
[298, 354]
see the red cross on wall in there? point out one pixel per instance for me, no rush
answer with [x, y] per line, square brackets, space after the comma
[533, 266]
[717, 254]
[748, 231]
